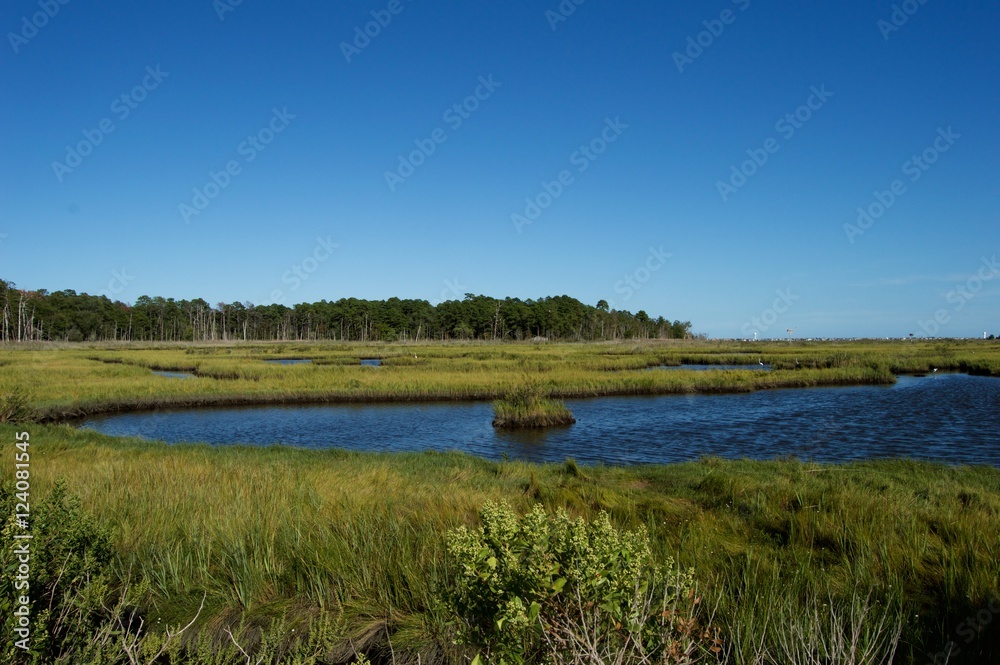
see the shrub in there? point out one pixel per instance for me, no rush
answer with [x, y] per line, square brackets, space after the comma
[15, 406]
[79, 613]
[68, 580]
[552, 588]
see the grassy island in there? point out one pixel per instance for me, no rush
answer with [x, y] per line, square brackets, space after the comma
[529, 407]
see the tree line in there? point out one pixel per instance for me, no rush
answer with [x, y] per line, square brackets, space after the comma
[77, 317]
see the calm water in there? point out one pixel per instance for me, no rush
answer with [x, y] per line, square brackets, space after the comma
[290, 361]
[371, 362]
[952, 418]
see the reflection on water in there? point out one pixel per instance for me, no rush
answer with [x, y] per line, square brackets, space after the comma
[289, 361]
[951, 418]
[371, 362]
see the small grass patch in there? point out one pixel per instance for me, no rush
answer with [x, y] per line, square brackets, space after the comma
[540, 413]
[528, 406]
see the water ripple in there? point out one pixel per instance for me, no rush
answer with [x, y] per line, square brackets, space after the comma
[952, 418]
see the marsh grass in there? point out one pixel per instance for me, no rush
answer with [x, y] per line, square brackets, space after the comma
[16, 405]
[68, 381]
[528, 406]
[280, 533]
[515, 413]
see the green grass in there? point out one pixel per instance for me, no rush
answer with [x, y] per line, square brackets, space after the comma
[282, 532]
[527, 406]
[513, 413]
[71, 380]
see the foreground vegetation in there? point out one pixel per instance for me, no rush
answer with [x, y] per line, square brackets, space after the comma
[342, 552]
[72, 380]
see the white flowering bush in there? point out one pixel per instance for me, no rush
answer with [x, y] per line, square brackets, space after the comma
[543, 588]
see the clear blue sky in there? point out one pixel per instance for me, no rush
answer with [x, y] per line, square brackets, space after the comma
[198, 86]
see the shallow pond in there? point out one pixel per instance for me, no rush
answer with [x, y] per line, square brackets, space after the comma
[289, 361]
[952, 418]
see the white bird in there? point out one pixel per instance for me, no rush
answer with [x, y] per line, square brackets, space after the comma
[760, 361]
[935, 369]
[414, 356]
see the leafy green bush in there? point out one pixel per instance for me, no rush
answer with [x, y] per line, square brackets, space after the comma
[551, 588]
[68, 580]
